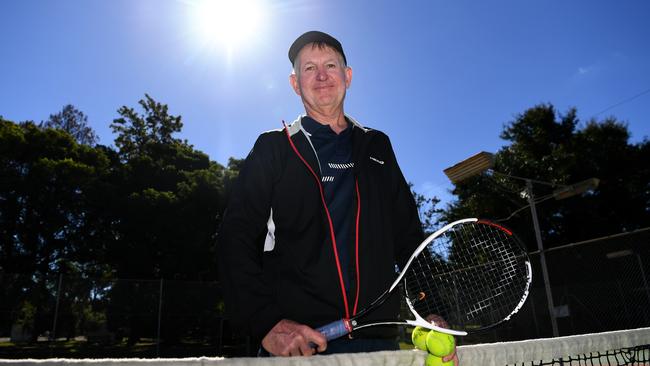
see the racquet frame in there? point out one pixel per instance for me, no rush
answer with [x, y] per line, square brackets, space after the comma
[344, 326]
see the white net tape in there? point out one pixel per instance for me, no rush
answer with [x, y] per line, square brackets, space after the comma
[521, 352]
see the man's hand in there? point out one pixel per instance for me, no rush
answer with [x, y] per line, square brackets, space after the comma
[288, 338]
[451, 357]
[437, 320]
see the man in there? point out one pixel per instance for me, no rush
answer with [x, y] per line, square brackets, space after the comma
[318, 219]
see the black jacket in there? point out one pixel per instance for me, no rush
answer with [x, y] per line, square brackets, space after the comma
[275, 247]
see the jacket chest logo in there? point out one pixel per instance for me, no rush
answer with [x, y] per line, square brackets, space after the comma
[341, 166]
[336, 170]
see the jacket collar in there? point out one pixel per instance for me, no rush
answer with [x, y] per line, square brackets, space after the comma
[296, 126]
[304, 145]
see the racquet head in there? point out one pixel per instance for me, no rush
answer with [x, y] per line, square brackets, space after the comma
[473, 273]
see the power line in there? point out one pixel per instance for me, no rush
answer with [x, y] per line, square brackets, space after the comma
[623, 102]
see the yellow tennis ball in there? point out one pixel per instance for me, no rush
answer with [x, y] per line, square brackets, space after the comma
[419, 338]
[440, 344]
[437, 361]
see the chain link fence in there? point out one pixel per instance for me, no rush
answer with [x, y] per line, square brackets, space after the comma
[113, 317]
[597, 285]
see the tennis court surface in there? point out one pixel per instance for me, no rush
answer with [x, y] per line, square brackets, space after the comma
[625, 347]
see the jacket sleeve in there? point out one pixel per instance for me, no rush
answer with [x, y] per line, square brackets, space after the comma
[249, 299]
[408, 232]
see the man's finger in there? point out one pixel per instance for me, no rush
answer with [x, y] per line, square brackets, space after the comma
[453, 356]
[314, 337]
[307, 349]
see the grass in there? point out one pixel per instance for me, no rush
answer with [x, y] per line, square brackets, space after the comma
[144, 349]
[84, 349]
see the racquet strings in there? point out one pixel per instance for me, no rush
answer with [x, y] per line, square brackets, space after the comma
[473, 275]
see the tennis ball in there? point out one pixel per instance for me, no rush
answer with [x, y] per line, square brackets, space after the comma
[440, 344]
[437, 361]
[419, 338]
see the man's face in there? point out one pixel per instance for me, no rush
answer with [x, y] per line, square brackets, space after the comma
[321, 78]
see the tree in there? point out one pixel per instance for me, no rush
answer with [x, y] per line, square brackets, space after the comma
[429, 213]
[148, 210]
[49, 223]
[168, 208]
[170, 194]
[136, 132]
[551, 147]
[74, 122]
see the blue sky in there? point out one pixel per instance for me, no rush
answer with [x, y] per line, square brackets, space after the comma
[439, 77]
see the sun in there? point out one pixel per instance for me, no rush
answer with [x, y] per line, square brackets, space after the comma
[226, 23]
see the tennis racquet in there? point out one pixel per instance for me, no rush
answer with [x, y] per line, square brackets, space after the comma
[473, 273]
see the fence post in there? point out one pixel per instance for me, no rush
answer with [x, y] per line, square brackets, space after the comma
[531, 301]
[626, 311]
[56, 308]
[645, 280]
[220, 342]
[160, 302]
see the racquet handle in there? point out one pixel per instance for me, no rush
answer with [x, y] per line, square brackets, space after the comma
[335, 329]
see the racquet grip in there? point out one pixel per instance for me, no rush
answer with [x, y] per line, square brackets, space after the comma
[335, 329]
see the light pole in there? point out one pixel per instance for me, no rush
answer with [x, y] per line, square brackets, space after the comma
[542, 258]
[484, 161]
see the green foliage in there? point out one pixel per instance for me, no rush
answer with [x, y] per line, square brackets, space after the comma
[169, 196]
[26, 315]
[148, 210]
[44, 196]
[74, 122]
[554, 148]
[170, 199]
[429, 213]
[49, 217]
[136, 132]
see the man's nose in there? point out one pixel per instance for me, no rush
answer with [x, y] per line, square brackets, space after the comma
[321, 75]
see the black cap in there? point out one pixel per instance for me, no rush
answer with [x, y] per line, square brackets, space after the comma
[314, 36]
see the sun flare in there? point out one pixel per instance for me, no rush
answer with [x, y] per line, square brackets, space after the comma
[226, 22]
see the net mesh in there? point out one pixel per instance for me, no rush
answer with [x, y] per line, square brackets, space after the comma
[624, 356]
[628, 347]
[473, 275]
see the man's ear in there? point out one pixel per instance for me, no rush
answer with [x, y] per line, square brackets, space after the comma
[293, 80]
[348, 76]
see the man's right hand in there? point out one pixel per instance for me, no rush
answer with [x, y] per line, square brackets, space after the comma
[288, 338]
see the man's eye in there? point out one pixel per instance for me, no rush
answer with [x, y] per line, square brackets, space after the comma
[309, 68]
[331, 66]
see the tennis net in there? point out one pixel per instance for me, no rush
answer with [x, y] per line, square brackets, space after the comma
[627, 347]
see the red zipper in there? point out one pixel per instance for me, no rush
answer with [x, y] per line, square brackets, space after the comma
[356, 245]
[331, 227]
